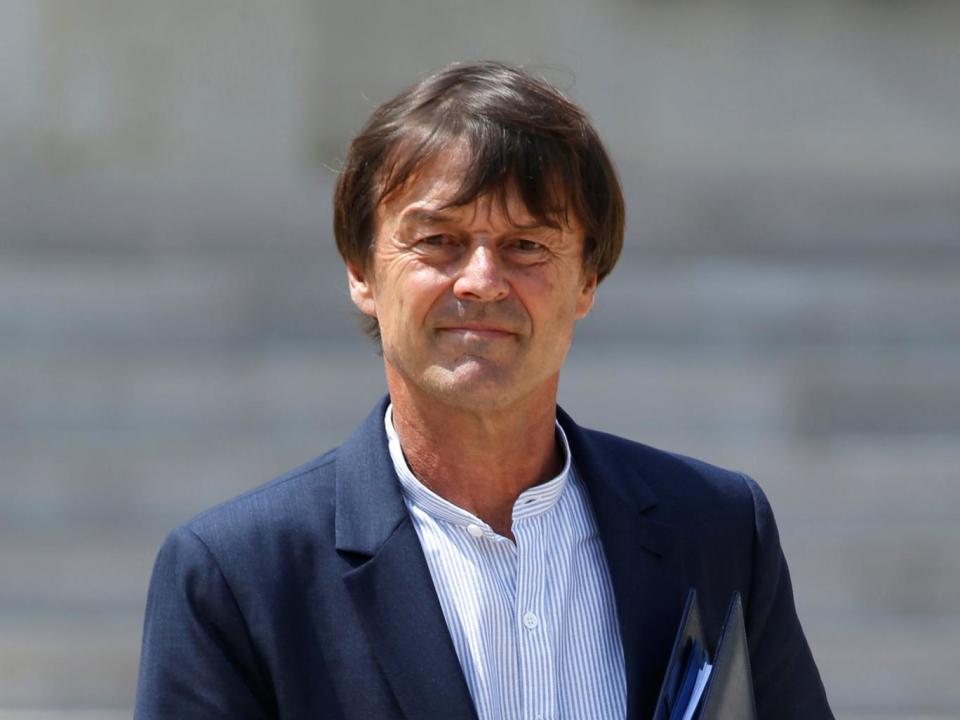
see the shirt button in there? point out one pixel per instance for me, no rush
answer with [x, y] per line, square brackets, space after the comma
[475, 530]
[530, 620]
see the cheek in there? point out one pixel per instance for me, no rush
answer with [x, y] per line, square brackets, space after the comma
[411, 291]
[535, 281]
[549, 304]
[551, 293]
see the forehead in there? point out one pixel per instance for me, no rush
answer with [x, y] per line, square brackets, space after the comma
[438, 185]
[435, 184]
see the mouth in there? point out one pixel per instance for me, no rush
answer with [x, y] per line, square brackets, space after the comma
[487, 332]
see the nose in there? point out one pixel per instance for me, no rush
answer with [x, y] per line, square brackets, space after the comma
[481, 279]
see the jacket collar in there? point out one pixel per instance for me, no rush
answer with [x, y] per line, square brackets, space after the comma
[370, 506]
[388, 580]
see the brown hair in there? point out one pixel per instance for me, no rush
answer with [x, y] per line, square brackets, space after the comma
[521, 132]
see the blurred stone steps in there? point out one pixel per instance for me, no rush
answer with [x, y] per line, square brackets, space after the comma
[66, 660]
[81, 573]
[907, 569]
[40, 713]
[884, 663]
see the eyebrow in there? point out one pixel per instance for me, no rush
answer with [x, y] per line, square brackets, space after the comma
[424, 215]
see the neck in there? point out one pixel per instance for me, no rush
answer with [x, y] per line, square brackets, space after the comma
[478, 460]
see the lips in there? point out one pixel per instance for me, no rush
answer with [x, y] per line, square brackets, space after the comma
[503, 319]
[478, 330]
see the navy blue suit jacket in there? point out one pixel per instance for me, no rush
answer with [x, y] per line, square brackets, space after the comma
[309, 597]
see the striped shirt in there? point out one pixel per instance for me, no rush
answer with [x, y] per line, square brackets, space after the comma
[533, 622]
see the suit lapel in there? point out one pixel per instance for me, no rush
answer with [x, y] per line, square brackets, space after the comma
[390, 584]
[641, 553]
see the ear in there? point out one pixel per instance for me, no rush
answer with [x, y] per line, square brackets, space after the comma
[585, 297]
[361, 290]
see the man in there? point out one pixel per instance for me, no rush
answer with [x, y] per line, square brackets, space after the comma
[470, 552]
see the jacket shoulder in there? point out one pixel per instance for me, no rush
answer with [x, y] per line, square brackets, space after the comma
[710, 506]
[298, 500]
[673, 476]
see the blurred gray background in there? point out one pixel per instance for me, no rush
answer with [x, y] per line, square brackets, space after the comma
[175, 326]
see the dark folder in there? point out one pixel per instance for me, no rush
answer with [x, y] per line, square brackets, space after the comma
[702, 688]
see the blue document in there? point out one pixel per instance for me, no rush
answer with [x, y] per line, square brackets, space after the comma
[694, 688]
[696, 660]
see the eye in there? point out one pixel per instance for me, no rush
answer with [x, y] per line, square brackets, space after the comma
[524, 245]
[436, 240]
[437, 247]
[526, 251]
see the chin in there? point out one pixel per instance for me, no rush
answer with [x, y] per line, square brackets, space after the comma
[472, 386]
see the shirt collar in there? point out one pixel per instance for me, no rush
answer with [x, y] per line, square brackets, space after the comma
[533, 501]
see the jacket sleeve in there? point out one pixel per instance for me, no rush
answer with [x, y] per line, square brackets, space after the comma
[786, 682]
[197, 660]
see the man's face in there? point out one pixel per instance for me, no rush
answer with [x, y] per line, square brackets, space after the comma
[476, 305]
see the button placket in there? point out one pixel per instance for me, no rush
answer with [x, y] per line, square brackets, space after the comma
[535, 650]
